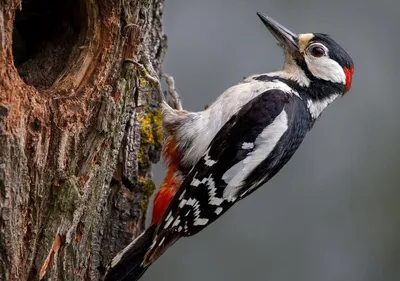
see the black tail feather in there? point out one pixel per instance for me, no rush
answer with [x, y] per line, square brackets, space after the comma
[127, 264]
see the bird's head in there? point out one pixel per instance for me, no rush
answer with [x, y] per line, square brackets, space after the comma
[315, 55]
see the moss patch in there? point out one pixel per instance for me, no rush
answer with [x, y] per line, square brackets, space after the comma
[151, 136]
[147, 186]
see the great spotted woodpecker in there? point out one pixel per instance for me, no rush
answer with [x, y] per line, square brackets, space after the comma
[222, 154]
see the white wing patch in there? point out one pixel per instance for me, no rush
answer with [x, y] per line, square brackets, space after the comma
[183, 194]
[191, 202]
[200, 221]
[212, 191]
[169, 215]
[162, 241]
[194, 206]
[195, 182]
[316, 107]
[182, 203]
[209, 161]
[218, 210]
[176, 222]
[168, 222]
[264, 144]
[247, 145]
[197, 219]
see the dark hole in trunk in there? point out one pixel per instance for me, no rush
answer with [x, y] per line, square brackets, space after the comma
[45, 32]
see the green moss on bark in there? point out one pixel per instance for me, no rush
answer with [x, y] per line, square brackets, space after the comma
[147, 186]
[151, 136]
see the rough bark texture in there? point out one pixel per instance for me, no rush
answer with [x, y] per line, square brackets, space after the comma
[77, 133]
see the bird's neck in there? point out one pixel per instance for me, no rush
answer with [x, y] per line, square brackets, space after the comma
[292, 71]
[317, 93]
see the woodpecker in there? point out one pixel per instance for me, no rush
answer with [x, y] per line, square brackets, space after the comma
[223, 154]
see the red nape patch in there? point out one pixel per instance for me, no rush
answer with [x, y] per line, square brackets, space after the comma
[349, 77]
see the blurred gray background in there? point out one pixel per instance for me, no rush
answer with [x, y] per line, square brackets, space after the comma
[333, 212]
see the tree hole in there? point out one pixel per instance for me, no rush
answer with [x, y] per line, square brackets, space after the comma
[45, 32]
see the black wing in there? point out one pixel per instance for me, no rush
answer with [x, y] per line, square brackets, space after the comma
[201, 199]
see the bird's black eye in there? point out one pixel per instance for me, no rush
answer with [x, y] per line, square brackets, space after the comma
[317, 51]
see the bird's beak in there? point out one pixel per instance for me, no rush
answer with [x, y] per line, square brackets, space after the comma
[288, 39]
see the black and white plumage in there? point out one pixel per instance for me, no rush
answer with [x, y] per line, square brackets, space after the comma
[249, 149]
[243, 139]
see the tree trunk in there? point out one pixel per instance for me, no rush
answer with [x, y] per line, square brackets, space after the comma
[77, 133]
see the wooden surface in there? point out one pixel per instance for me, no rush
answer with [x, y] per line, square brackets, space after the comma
[77, 136]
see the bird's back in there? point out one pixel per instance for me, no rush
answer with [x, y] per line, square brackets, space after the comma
[207, 123]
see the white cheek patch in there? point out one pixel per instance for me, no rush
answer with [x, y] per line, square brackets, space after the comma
[326, 69]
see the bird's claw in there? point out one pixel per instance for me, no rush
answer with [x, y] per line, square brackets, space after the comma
[176, 99]
[146, 70]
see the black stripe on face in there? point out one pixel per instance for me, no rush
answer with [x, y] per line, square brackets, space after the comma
[317, 90]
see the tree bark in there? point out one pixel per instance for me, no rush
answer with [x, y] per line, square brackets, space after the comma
[79, 129]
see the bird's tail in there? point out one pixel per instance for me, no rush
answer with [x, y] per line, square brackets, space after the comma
[127, 264]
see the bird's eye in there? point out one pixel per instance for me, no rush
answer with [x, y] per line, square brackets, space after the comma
[317, 51]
